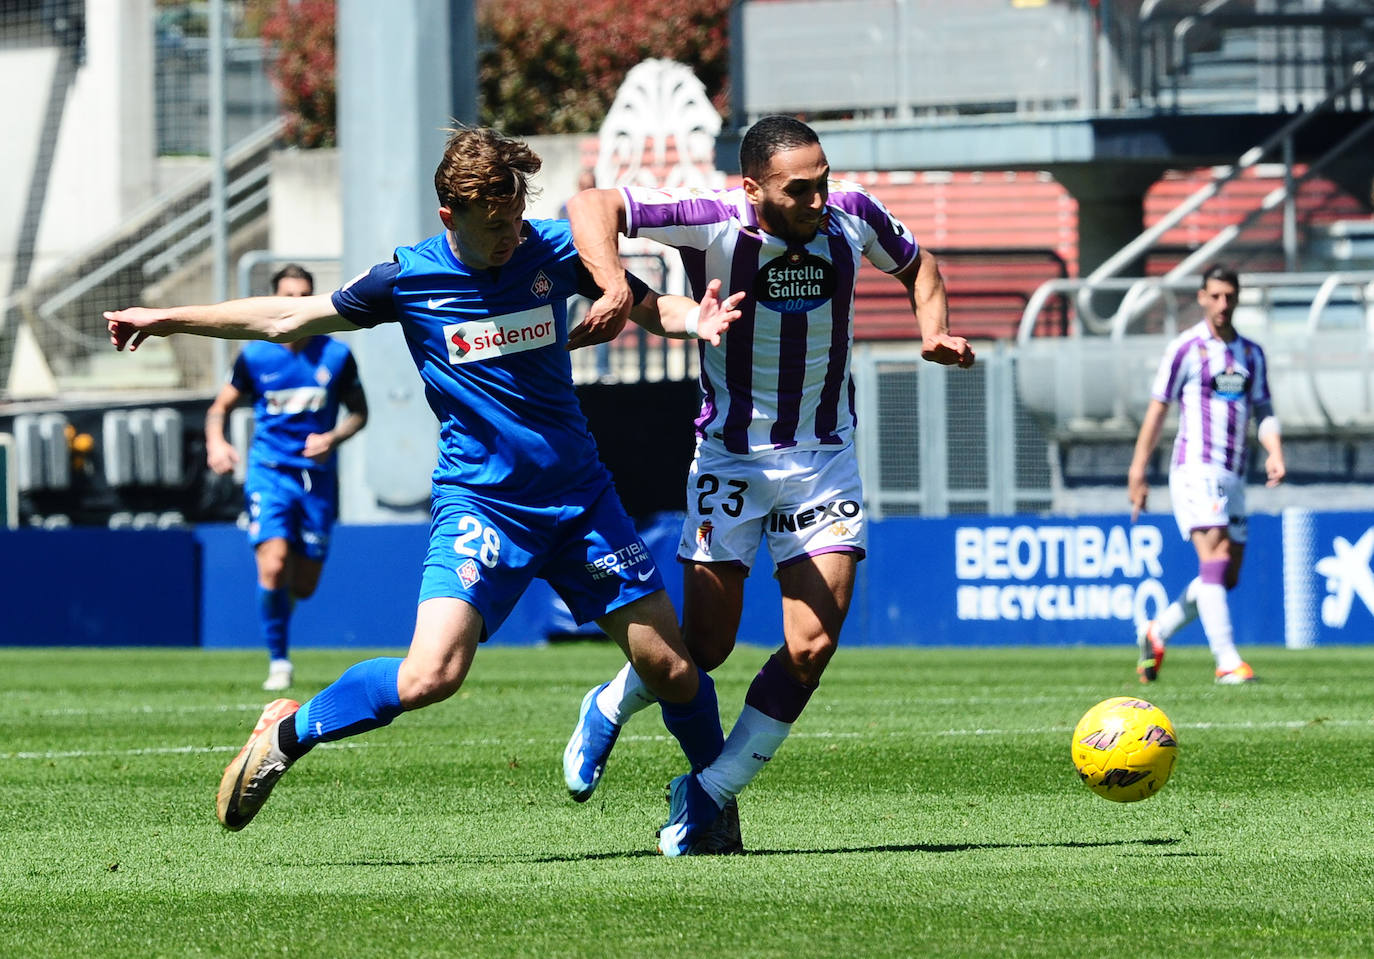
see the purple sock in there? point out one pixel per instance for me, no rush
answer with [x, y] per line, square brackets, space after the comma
[1213, 571]
[776, 694]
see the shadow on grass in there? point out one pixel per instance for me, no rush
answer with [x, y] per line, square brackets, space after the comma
[653, 854]
[912, 847]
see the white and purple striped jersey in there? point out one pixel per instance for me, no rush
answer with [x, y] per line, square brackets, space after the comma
[780, 379]
[1218, 386]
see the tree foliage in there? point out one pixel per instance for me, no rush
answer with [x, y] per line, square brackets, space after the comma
[553, 66]
[545, 66]
[302, 32]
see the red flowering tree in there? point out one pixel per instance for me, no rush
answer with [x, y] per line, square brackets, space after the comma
[545, 66]
[303, 70]
[553, 66]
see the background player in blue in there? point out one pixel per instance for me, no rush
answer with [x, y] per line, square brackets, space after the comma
[518, 490]
[292, 485]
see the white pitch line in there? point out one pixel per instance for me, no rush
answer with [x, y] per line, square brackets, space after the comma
[1039, 731]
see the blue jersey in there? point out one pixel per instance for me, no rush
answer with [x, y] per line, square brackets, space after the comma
[491, 347]
[295, 393]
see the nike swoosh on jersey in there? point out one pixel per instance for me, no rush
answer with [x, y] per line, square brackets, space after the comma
[644, 576]
[434, 304]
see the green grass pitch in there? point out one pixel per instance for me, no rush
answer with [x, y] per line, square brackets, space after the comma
[925, 806]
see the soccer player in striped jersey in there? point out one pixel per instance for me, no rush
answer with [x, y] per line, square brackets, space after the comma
[775, 460]
[518, 490]
[1220, 381]
[291, 487]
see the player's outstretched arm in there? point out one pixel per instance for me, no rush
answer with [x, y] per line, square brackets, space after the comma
[930, 304]
[682, 318]
[598, 219]
[280, 319]
[1137, 489]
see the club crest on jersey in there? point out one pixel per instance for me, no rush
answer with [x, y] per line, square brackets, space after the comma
[704, 535]
[1230, 385]
[322, 375]
[796, 282]
[469, 574]
[473, 341]
[542, 285]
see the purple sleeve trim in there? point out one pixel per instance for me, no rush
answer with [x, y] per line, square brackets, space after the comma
[683, 211]
[893, 236]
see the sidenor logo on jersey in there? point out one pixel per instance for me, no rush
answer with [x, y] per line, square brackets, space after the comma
[473, 341]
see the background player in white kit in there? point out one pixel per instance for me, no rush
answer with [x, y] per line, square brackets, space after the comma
[775, 457]
[1220, 381]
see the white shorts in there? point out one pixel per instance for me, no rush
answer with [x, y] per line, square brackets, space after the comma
[1207, 497]
[804, 502]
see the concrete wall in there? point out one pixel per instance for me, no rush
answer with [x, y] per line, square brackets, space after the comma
[79, 148]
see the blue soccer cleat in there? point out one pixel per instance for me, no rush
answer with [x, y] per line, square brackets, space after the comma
[692, 814]
[584, 759]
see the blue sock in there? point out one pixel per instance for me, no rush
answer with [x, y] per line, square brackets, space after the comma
[274, 611]
[696, 724]
[364, 697]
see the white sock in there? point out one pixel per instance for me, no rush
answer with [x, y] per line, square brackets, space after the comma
[1215, 614]
[1180, 612]
[752, 742]
[624, 696]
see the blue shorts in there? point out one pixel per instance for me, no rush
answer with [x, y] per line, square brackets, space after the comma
[297, 505]
[487, 552]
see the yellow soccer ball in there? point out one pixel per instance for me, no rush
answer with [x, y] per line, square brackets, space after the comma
[1124, 749]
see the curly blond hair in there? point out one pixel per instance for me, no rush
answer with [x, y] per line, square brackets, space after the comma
[483, 166]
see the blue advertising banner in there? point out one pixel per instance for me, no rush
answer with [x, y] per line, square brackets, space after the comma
[1308, 580]
[1326, 578]
[98, 587]
[1034, 581]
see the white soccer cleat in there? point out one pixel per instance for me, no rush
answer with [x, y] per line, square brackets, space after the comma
[279, 676]
[588, 749]
[1240, 676]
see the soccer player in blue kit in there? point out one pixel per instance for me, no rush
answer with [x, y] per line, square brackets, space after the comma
[518, 490]
[292, 483]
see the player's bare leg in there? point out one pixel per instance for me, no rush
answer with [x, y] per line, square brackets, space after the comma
[816, 593]
[661, 671]
[368, 695]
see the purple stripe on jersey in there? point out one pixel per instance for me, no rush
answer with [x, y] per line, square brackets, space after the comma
[1204, 401]
[1259, 369]
[791, 378]
[739, 343]
[894, 238]
[828, 407]
[708, 412]
[1231, 457]
[1171, 388]
[694, 265]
